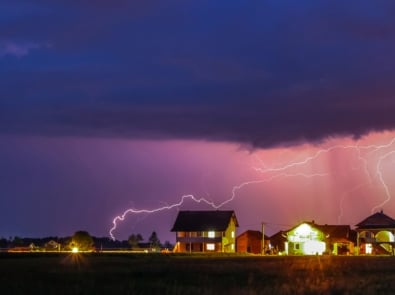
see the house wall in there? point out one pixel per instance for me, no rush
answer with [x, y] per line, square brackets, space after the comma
[198, 241]
[379, 241]
[305, 239]
[229, 238]
[249, 243]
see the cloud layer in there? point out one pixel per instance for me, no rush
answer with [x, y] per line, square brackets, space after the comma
[264, 74]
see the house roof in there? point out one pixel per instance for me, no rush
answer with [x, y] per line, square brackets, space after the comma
[203, 220]
[377, 220]
[256, 234]
[279, 235]
[335, 231]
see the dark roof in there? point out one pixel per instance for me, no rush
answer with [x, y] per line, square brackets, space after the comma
[203, 220]
[279, 235]
[335, 231]
[377, 220]
[253, 234]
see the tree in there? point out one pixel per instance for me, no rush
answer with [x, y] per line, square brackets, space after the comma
[3, 243]
[134, 240]
[154, 241]
[82, 240]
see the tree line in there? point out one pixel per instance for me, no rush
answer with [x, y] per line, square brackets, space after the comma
[83, 241]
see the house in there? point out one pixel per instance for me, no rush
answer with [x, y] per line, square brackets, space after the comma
[339, 239]
[52, 246]
[277, 242]
[250, 241]
[205, 231]
[375, 234]
[309, 238]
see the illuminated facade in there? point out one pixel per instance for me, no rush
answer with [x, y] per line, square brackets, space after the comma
[205, 231]
[305, 239]
[376, 235]
[309, 238]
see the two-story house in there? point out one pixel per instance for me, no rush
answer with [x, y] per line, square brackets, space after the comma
[205, 231]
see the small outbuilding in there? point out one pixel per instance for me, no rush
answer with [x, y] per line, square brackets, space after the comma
[250, 241]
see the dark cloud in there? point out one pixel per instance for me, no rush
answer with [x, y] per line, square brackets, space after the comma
[262, 73]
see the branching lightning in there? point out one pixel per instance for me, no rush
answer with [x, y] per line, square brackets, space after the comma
[368, 156]
[379, 173]
[199, 200]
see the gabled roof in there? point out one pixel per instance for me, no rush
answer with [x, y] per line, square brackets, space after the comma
[203, 220]
[310, 223]
[335, 231]
[279, 235]
[256, 234]
[377, 220]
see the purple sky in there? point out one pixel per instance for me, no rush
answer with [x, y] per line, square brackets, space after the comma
[106, 106]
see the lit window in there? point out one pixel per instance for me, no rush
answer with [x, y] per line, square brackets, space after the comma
[210, 247]
[211, 234]
[232, 246]
[368, 248]
[233, 234]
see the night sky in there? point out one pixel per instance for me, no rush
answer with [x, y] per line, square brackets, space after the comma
[284, 108]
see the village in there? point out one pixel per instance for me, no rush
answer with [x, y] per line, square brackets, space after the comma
[215, 231]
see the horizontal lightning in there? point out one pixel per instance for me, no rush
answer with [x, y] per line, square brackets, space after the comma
[202, 200]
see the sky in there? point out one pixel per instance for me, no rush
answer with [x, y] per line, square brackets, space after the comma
[280, 110]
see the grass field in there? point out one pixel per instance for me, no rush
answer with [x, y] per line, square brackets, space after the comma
[97, 273]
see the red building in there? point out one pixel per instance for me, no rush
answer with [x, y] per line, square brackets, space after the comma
[250, 241]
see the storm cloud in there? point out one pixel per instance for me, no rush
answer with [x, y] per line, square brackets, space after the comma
[261, 73]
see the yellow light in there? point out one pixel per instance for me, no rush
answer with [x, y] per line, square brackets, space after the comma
[74, 250]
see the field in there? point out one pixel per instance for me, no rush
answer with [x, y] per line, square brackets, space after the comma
[97, 273]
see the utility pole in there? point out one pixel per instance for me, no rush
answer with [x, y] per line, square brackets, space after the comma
[263, 238]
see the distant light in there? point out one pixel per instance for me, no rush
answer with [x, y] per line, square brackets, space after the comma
[74, 250]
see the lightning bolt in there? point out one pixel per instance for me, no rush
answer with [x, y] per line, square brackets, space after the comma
[365, 154]
[200, 200]
[382, 181]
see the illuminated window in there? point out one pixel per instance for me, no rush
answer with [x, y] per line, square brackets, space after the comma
[210, 247]
[232, 246]
[211, 234]
[313, 248]
[233, 234]
[368, 248]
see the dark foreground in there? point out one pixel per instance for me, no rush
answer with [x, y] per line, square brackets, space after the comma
[177, 274]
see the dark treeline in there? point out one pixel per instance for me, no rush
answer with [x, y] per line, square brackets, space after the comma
[54, 242]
